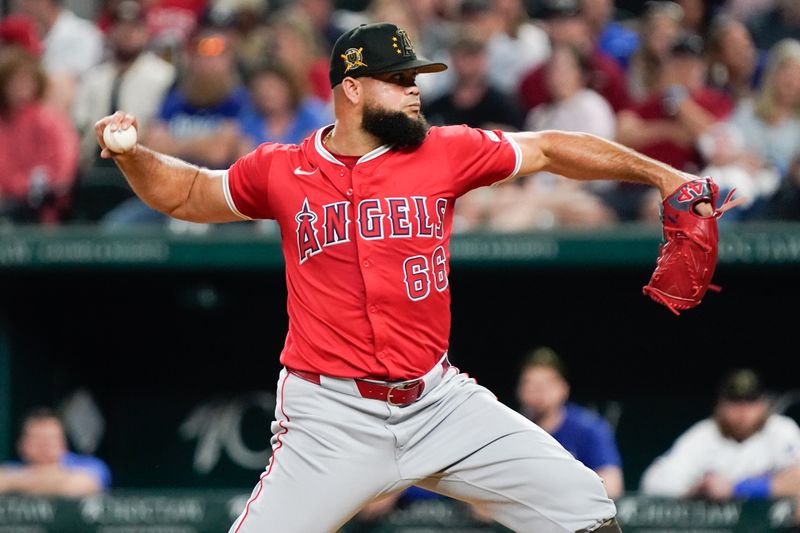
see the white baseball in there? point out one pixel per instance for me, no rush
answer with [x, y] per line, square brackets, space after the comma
[120, 141]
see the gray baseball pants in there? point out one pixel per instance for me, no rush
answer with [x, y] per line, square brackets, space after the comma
[334, 452]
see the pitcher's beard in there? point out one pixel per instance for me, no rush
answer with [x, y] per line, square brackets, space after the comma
[394, 127]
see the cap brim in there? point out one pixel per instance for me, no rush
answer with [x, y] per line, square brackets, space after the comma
[422, 65]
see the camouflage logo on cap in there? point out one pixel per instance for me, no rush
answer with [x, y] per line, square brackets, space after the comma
[402, 44]
[353, 58]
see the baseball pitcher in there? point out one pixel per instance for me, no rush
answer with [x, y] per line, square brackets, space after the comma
[368, 402]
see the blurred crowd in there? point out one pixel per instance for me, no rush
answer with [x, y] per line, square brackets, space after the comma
[711, 87]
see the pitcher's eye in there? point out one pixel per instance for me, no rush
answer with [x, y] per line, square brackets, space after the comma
[403, 79]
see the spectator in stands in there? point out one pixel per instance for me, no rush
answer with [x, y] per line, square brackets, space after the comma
[296, 46]
[320, 14]
[278, 111]
[473, 100]
[780, 22]
[71, 46]
[198, 119]
[543, 392]
[770, 124]
[48, 468]
[659, 27]
[668, 125]
[741, 451]
[38, 144]
[133, 78]
[565, 26]
[514, 45]
[760, 140]
[734, 63]
[611, 37]
[574, 106]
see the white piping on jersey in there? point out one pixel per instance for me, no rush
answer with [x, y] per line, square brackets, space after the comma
[229, 199]
[517, 152]
[321, 147]
[377, 152]
[517, 164]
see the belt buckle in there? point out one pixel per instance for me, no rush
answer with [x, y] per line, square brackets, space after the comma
[400, 386]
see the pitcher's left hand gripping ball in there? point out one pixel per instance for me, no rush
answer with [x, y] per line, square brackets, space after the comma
[688, 253]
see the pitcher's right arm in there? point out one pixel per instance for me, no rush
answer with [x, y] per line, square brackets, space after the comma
[168, 184]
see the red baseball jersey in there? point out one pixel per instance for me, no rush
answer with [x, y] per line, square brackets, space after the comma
[367, 248]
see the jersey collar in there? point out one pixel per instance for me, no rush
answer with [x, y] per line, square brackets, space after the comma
[325, 154]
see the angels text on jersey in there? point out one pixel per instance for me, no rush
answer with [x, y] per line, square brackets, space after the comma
[371, 218]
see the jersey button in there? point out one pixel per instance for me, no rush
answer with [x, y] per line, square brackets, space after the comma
[349, 192]
[373, 308]
[341, 172]
[366, 263]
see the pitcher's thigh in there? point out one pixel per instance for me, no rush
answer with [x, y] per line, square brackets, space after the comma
[296, 497]
[328, 460]
[525, 479]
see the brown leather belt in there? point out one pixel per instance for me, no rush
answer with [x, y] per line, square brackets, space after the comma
[400, 394]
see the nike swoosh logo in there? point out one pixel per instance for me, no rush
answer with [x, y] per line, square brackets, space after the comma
[300, 172]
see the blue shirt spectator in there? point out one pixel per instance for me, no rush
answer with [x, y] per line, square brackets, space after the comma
[47, 467]
[279, 111]
[73, 461]
[92, 464]
[542, 392]
[311, 115]
[198, 117]
[186, 120]
[587, 437]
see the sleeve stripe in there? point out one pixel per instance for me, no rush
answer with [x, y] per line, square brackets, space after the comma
[228, 198]
[517, 154]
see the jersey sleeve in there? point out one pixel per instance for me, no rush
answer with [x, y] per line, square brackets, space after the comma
[479, 157]
[246, 183]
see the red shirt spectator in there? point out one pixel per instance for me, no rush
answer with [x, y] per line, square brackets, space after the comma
[666, 126]
[682, 156]
[38, 145]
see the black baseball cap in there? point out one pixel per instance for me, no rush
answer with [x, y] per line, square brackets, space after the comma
[373, 49]
[741, 385]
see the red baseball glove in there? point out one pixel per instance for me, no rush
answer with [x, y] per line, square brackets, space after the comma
[688, 253]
